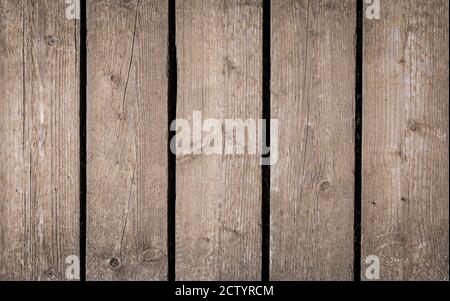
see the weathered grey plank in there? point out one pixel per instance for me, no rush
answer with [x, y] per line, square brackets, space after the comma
[127, 140]
[313, 71]
[405, 140]
[218, 209]
[39, 140]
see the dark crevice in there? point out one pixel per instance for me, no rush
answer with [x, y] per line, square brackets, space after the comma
[83, 155]
[265, 169]
[358, 140]
[172, 111]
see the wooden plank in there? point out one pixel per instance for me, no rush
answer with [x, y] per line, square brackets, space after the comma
[313, 71]
[405, 195]
[39, 140]
[127, 140]
[218, 209]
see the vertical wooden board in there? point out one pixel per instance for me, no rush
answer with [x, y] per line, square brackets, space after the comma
[39, 140]
[218, 206]
[127, 140]
[405, 209]
[12, 152]
[312, 185]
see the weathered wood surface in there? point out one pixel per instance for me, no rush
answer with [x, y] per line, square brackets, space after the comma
[39, 144]
[127, 140]
[405, 142]
[405, 171]
[313, 67]
[218, 207]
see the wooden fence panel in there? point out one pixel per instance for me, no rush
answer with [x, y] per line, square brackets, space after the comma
[405, 195]
[218, 209]
[127, 140]
[39, 145]
[313, 72]
[405, 171]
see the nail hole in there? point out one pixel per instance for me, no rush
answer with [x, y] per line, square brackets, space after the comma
[152, 255]
[324, 186]
[114, 262]
[52, 41]
[115, 79]
[51, 274]
[413, 126]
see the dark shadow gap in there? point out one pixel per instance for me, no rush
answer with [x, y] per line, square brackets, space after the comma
[172, 112]
[265, 169]
[358, 139]
[83, 142]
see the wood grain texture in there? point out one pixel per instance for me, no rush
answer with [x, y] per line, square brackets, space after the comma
[39, 140]
[313, 71]
[405, 140]
[218, 206]
[127, 140]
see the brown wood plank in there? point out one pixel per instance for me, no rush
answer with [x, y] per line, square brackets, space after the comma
[218, 209]
[405, 197]
[313, 71]
[39, 140]
[127, 140]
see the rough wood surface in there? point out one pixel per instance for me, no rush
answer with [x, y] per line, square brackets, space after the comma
[405, 142]
[218, 210]
[39, 140]
[405, 171]
[313, 71]
[127, 140]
